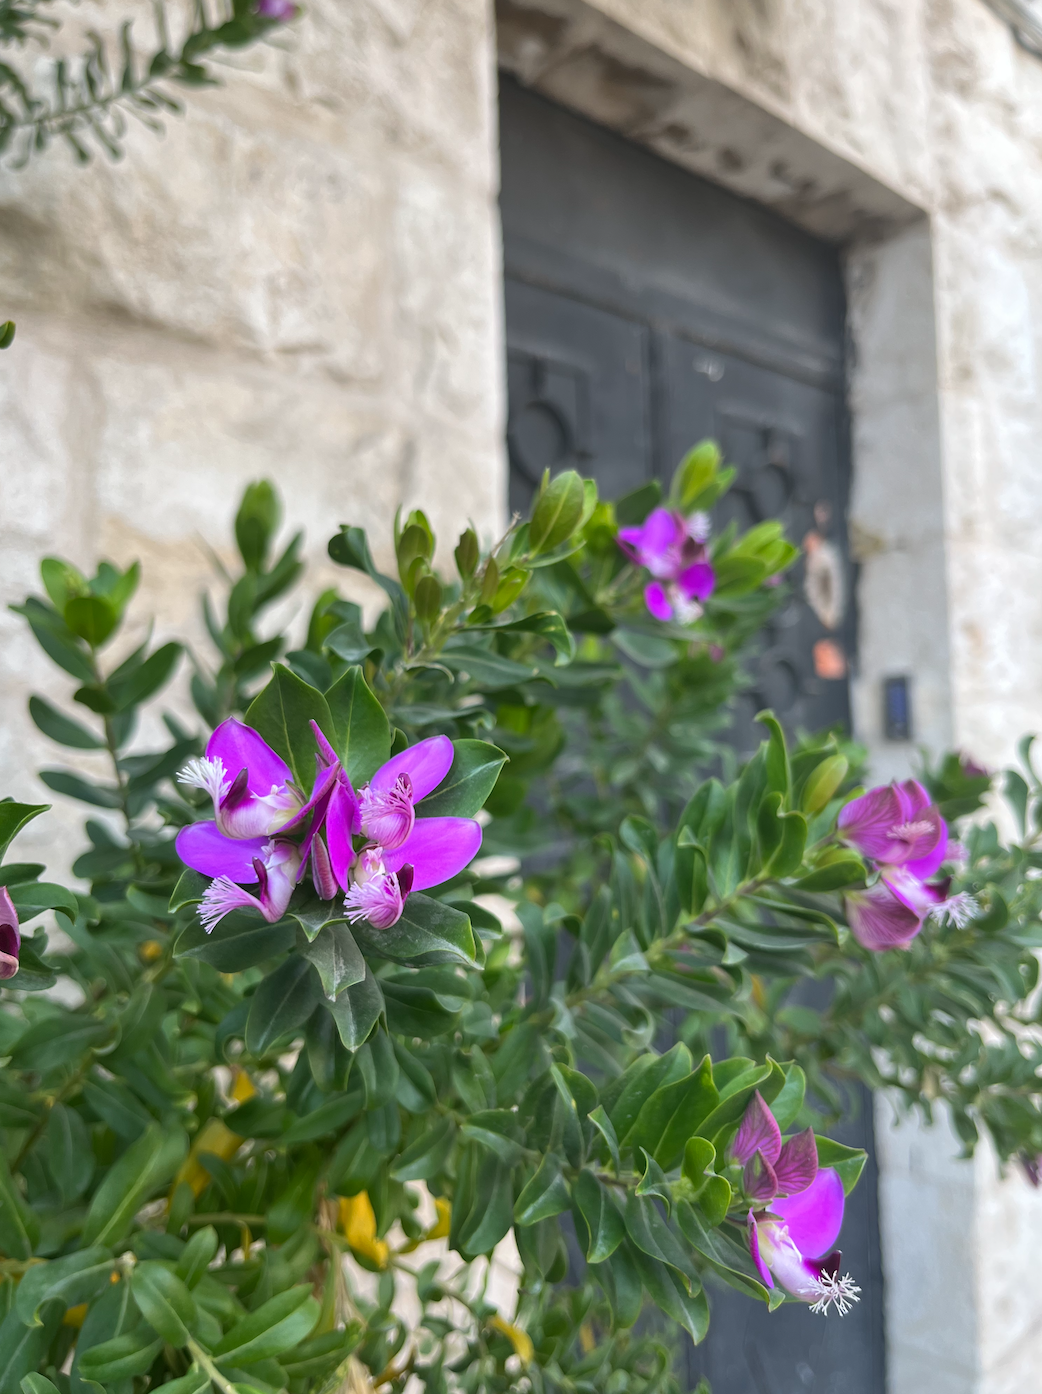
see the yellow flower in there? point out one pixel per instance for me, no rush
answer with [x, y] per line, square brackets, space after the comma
[150, 950]
[440, 1228]
[213, 1137]
[520, 1340]
[357, 1223]
[243, 1087]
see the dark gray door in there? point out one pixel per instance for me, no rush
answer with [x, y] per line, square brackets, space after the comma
[646, 310]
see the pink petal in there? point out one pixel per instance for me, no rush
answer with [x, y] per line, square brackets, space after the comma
[10, 936]
[327, 755]
[438, 849]
[797, 1166]
[657, 601]
[924, 867]
[426, 764]
[240, 747]
[662, 531]
[341, 821]
[754, 1250]
[911, 892]
[815, 1216]
[698, 581]
[867, 822]
[879, 921]
[204, 848]
[759, 1133]
[758, 1178]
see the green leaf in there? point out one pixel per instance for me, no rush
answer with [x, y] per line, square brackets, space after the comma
[68, 1151]
[91, 618]
[823, 782]
[56, 639]
[727, 1258]
[78, 1277]
[787, 1104]
[496, 1130]
[599, 1224]
[164, 1302]
[257, 522]
[22, 1348]
[557, 513]
[241, 940]
[14, 817]
[361, 735]
[548, 624]
[490, 1215]
[653, 1182]
[198, 1254]
[486, 669]
[734, 1096]
[834, 875]
[58, 1040]
[463, 791]
[121, 1358]
[545, 1195]
[62, 728]
[190, 888]
[428, 1154]
[684, 1303]
[776, 764]
[73, 787]
[427, 934]
[357, 1010]
[699, 1156]
[673, 1114]
[627, 1096]
[145, 1166]
[620, 1278]
[276, 1326]
[602, 1123]
[715, 1199]
[33, 896]
[144, 679]
[38, 1384]
[19, 1225]
[328, 1118]
[789, 856]
[282, 1003]
[694, 475]
[337, 958]
[281, 713]
[848, 1161]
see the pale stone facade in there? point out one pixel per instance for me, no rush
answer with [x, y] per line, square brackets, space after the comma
[303, 281]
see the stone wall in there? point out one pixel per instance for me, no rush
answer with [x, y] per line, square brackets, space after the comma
[299, 280]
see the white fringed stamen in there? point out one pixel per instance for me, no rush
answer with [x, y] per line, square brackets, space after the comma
[699, 526]
[837, 1292]
[908, 832]
[961, 909]
[203, 773]
[219, 899]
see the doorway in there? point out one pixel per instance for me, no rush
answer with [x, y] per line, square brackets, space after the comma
[647, 309]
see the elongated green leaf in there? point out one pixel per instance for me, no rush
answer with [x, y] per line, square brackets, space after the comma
[91, 618]
[73, 787]
[849, 1162]
[361, 733]
[673, 1114]
[357, 1010]
[282, 1003]
[22, 1347]
[13, 818]
[490, 1214]
[145, 1166]
[38, 1384]
[685, 1304]
[428, 933]
[58, 1040]
[546, 1195]
[197, 1256]
[602, 1123]
[241, 940]
[140, 681]
[328, 1118]
[73, 1279]
[650, 1233]
[120, 1358]
[164, 1301]
[189, 890]
[276, 1326]
[281, 713]
[627, 1096]
[599, 1222]
[787, 1103]
[486, 669]
[728, 1258]
[33, 896]
[463, 791]
[337, 958]
[62, 728]
[19, 1226]
[67, 1148]
[620, 1278]
[428, 1154]
[496, 1130]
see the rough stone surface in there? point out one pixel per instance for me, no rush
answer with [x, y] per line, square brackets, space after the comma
[300, 280]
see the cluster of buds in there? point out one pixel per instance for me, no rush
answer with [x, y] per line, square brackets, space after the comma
[673, 549]
[902, 835]
[796, 1212]
[368, 845]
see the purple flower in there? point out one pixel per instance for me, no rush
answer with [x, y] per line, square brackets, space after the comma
[897, 824]
[278, 10]
[791, 1242]
[673, 549]
[772, 1168]
[879, 920]
[275, 867]
[10, 936]
[252, 788]
[403, 853]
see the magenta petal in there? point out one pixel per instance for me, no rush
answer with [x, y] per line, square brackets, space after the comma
[438, 849]
[797, 1166]
[867, 822]
[662, 530]
[10, 936]
[754, 1250]
[239, 747]
[657, 601]
[759, 1133]
[698, 581]
[758, 1179]
[322, 874]
[426, 764]
[204, 848]
[815, 1216]
[340, 822]
[327, 754]
[879, 921]
[911, 892]
[924, 867]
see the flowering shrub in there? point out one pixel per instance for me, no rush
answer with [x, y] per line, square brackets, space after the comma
[302, 1016]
